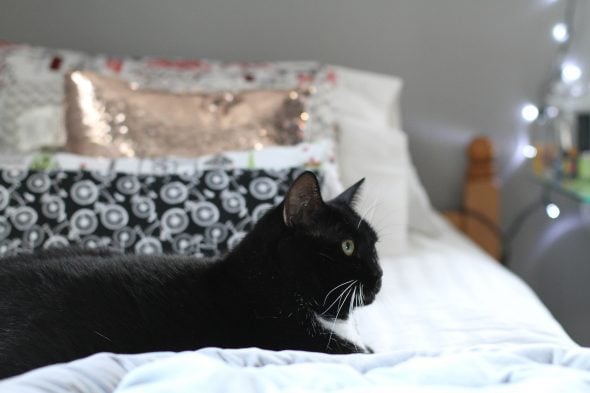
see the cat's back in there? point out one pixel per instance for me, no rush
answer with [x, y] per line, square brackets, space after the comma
[76, 262]
[53, 276]
[65, 304]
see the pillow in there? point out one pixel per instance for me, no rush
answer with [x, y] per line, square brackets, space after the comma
[421, 215]
[316, 156]
[204, 214]
[107, 117]
[370, 101]
[381, 157]
[32, 88]
[367, 96]
[378, 151]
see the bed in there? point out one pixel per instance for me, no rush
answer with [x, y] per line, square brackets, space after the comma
[448, 317]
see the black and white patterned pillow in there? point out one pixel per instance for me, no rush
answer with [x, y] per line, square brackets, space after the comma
[205, 213]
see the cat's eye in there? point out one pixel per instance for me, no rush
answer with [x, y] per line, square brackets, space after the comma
[348, 247]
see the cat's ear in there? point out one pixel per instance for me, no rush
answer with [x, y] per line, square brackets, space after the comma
[303, 200]
[349, 195]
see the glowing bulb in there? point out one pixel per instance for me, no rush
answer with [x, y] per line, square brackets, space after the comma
[570, 72]
[552, 211]
[560, 32]
[530, 113]
[529, 151]
[552, 112]
[577, 91]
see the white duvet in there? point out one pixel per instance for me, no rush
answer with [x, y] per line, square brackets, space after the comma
[494, 368]
[532, 368]
[447, 319]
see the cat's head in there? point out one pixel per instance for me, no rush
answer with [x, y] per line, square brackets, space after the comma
[329, 250]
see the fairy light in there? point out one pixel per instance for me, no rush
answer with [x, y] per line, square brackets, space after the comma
[567, 70]
[570, 72]
[560, 32]
[529, 151]
[529, 112]
[552, 211]
[552, 112]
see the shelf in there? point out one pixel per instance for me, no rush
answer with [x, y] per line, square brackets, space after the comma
[579, 189]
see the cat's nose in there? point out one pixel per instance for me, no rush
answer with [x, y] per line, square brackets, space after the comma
[377, 285]
[376, 272]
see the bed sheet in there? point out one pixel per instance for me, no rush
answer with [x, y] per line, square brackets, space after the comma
[445, 292]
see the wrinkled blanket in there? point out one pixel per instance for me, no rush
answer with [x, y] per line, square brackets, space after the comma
[518, 368]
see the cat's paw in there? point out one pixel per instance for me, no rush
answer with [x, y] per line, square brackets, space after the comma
[368, 349]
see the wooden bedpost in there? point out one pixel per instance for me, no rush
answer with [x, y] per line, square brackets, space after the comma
[480, 216]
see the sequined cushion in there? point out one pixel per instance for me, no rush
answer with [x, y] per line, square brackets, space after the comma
[108, 117]
[32, 88]
[203, 214]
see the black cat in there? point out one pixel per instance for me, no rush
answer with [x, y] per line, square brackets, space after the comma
[304, 259]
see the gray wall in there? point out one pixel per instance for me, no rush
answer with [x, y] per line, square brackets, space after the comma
[468, 67]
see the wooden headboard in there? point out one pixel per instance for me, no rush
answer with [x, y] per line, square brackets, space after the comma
[479, 216]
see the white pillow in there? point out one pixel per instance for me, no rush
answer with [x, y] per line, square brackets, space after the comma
[372, 100]
[379, 156]
[368, 96]
[421, 215]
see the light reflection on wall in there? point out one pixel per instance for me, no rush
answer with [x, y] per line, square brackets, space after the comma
[517, 157]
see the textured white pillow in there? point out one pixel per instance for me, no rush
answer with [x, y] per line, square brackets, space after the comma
[380, 156]
[368, 96]
[420, 211]
[373, 101]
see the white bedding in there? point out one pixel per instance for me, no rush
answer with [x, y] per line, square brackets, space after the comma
[497, 368]
[520, 369]
[448, 316]
[446, 293]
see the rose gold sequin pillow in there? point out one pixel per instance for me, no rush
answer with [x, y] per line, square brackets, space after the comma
[109, 117]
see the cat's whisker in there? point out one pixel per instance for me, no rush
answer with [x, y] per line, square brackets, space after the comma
[353, 304]
[348, 292]
[354, 297]
[340, 304]
[371, 207]
[364, 214]
[338, 298]
[335, 288]
[375, 206]
[362, 295]
[350, 304]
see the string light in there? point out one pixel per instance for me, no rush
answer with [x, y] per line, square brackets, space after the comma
[529, 113]
[552, 211]
[560, 32]
[529, 151]
[570, 72]
[552, 112]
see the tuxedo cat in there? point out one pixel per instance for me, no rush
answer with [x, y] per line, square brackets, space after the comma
[304, 260]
